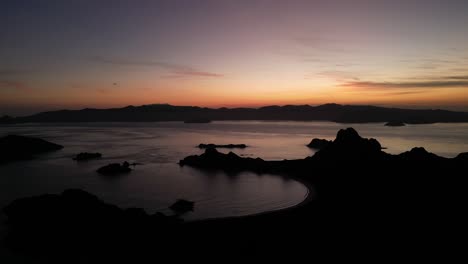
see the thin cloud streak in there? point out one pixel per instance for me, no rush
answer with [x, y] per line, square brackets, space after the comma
[454, 81]
[339, 75]
[13, 72]
[8, 84]
[175, 69]
[424, 84]
[405, 92]
[193, 72]
[458, 78]
[324, 44]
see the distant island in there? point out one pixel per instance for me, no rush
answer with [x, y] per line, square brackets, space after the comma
[318, 143]
[211, 145]
[197, 121]
[395, 124]
[15, 148]
[188, 114]
[356, 191]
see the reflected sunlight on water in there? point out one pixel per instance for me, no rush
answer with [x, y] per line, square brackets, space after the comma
[159, 146]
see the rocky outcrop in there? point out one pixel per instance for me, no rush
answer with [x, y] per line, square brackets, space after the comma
[350, 146]
[348, 149]
[14, 147]
[182, 206]
[71, 205]
[462, 157]
[217, 160]
[326, 112]
[420, 154]
[87, 156]
[395, 124]
[197, 121]
[75, 218]
[205, 146]
[358, 192]
[6, 119]
[318, 143]
[115, 168]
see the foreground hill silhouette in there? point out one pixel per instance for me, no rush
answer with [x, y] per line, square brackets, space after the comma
[15, 147]
[362, 201]
[327, 112]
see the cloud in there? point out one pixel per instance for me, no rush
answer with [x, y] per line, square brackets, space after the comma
[440, 61]
[457, 78]
[427, 66]
[9, 78]
[435, 61]
[13, 72]
[345, 64]
[460, 69]
[338, 75]
[193, 72]
[405, 92]
[313, 41]
[103, 91]
[312, 59]
[447, 83]
[174, 69]
[8, 84]
[323, 44]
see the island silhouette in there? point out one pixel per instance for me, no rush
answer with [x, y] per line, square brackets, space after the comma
[189, 131]
[192, 114]
[364, 199]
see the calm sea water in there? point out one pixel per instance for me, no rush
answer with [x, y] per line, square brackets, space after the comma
[159, 146]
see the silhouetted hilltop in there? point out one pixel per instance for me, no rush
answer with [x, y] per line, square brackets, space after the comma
[5, 119]
[348, 150]
[395, 124]
[15, 147]
[211, 145]
[326, 112]
[57, 224]
[360, 198]
[318, 143]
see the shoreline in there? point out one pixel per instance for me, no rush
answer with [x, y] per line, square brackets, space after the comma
[62, 123]
[348, 197]
[308, 198]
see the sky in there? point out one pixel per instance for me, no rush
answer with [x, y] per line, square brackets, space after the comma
[78, 54]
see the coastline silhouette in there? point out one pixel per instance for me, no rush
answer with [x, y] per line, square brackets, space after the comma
[237, 131]
[362, 193]
[192, 114]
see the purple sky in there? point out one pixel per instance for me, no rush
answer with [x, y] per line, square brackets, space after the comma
[75, 54]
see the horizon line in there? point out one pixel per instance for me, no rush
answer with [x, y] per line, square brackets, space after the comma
[240, 107]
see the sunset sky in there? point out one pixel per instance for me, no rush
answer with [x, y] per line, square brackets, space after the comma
[76, 54]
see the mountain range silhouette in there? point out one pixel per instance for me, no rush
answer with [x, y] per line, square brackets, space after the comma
[327, 112]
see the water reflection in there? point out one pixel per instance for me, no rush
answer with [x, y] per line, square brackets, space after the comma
[159, 146]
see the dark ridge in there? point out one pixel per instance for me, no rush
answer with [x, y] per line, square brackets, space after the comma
[191, 114]
[217, 160]
[6, 119]
[361, 200]
[57, 225]
[462, 157]
[211, 145]
[182, 206]
[14, 147]
[318, 143]
[420, 154]
[348, 149]
[87, 156]
[115, 168]
[349, 145]
[197, 121]
[395, 124]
